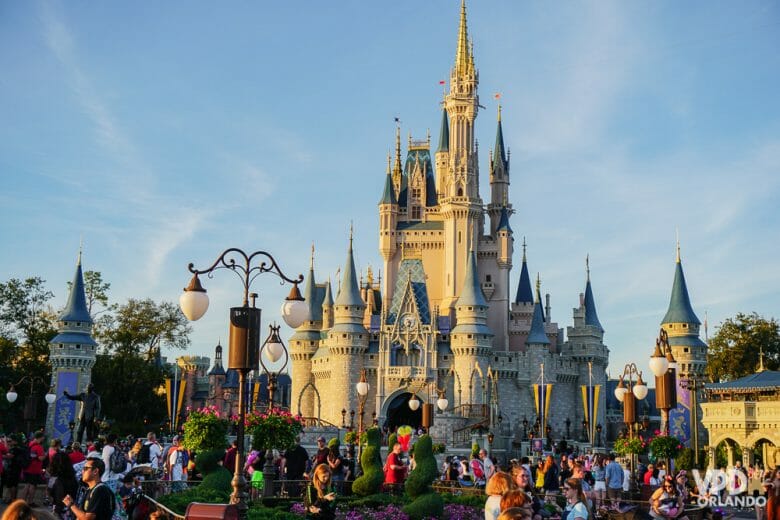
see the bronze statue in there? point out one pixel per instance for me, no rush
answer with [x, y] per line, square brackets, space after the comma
[90, 411]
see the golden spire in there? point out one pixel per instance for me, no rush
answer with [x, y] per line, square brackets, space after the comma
[538, 288]
[389, 160]
[351, 232]
[462, 57]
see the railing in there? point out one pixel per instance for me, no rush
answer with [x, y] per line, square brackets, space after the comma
[473, 411]
[462, 435]
[406, 372]
[310, 422]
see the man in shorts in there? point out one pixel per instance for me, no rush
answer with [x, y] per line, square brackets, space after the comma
[614, 477]
[32, 475]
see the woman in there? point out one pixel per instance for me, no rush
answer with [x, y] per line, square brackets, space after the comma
[666, 503]
[319, 500]
[598, 471]
[655, 479]
[576, 502]
[61, 484]
[335, 464]
[516, 498]
[772, 487]
[76, 455]
[498, 484]
[539, 482]
[522, 480]
[551, 485]
[132, 455]
[18, 510]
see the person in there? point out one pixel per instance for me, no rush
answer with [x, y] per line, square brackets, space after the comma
[566, 469]
[18, 510]
[395, 470]
[599, 480]
[130, 493]
[321, 457]
[648, 474]
[229, 461]
[539, 481]
[174, 464]
[452, 473]
[772, 487]
[32, 475]
[296, 460]
[478, 469]
[576, 503]
[550, 471]
[514, 498]
[13, 465]
[90, 411]
[514, 513]
[335, 464]
[132, 455]
[62, 482]
[522, 479]
[151, 452]
[666, 502]
[99, 501]
[614, 476]
[495, 488]
[320, 501]
[76, 455]
[111, 476]
[487, 464]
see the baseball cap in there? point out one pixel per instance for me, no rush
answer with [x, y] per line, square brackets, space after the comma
[321, 438]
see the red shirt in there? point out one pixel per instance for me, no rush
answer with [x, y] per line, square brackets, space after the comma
[3, 451]
[36, 454]
[394, 476]
[76, 457]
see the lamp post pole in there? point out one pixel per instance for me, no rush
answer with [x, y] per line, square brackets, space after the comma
[362, 387]
[693, 385]
[628, 394]
[664, 367]
[244, 334]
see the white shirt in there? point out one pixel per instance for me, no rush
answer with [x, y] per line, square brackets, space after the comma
[155, 455]
[490, 468]
[175, 464]
[108, 450]
[492, 507]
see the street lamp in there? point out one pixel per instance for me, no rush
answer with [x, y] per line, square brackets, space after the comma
[344, 418]
[414, 403]
[693, 384]
[362, 387]
[568, 427]
[274, 350]
[664, 368]
[29, 401]
[491, 438]
[525, 427]
[244, 334]
[628, 394]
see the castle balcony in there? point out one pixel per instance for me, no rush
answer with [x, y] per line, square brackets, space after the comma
[399, 373]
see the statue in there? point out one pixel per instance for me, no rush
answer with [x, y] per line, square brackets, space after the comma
[90, 411]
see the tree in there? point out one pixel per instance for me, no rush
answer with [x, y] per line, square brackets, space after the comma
[734, 350]
[128, 387]
[143, 327]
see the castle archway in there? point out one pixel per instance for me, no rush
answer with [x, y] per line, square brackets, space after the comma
[398, 413]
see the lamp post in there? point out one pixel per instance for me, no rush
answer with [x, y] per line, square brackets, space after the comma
[491, 437]
[693, 385]
[598, 435]
[344, 418]
[664, 368]
[244, 334]
[362, 387]
[29, 401]
[525, 427]
[627, 392]
[71, 427]
[274, 349]
[568, 427]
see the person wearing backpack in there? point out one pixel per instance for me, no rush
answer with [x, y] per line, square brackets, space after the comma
[99, 500]
[151, 452]
[114, 461]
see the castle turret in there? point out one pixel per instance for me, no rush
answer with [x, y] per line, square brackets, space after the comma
[347, 341]
[303, 345]
[537, 337]
[442, 153]
[72, 355]
[471, 338]
[499, 180]
[327, 307]
[682, 326]
[388, 222]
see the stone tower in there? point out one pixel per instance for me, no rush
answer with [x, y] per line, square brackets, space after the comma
[72, 355]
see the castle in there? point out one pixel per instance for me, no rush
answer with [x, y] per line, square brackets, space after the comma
[444, 321]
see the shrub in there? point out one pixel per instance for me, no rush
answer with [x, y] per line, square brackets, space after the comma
[418, 484]
[351, 437]
[439, 447]
[218, 480]
[205, 429]
[178, 502]
[371, 462]
[208, 461]
[391, 440]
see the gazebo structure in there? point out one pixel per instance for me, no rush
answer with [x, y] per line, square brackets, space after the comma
[745, 414]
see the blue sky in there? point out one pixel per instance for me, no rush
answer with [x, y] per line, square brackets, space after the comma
[165, 133]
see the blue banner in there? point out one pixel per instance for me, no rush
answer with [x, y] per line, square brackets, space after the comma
[64, 408]
[680, 417]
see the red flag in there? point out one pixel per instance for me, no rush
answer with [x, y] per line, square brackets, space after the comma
[497, 95]
[442, 82]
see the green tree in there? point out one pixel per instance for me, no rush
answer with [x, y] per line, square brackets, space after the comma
[735, 348]
[129, 391]
[143, 327]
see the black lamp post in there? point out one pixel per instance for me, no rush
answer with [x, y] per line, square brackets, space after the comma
[30, 404]
[244, 350]
[525, 427]
[343, 418]
[598, 435]
[568, 427]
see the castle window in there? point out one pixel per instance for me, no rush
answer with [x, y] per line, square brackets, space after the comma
[470, 336]
[685, 325]
[488, 278]
[460, 192]
[416, 193]
[686, 350]
[416, 213]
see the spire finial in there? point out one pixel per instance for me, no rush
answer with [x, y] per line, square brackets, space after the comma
[462, 53]
[587, 265]
[524, 246]
[678, 246]
[761, 367]
[351, 233]
[538, 288]
[397, 166]
[389, 161]
[311, 264]
[499, 111]
[81, 249]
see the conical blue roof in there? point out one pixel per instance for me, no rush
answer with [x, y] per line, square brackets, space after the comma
[472, 292]
[591, 318]
[328, 300]
[680, 309]
[76, 308]
[537, 336]
[444, 133]
[503, 222]
[350, 292]
[310, 295]
[499, 152]
[524, 292]
[388, 196]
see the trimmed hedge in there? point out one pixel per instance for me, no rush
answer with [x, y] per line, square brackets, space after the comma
[371, 462]
[418, 484]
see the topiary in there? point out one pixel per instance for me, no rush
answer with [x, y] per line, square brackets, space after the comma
[418, 485]
[218, 480]
[333, 444]
[371, 462]
[391, 440]
[208, 461]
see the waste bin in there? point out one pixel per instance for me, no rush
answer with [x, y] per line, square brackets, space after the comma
[197, 511]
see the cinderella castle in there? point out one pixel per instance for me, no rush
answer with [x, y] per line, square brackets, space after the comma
[444, 321]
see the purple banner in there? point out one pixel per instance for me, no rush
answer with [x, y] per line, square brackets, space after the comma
[680, 416]
[64, 408]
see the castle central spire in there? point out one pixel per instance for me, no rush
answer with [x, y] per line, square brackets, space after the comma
[463, 54]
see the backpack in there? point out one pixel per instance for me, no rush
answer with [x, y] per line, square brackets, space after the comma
[118, 462]
[23, 457]
[144, 456]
